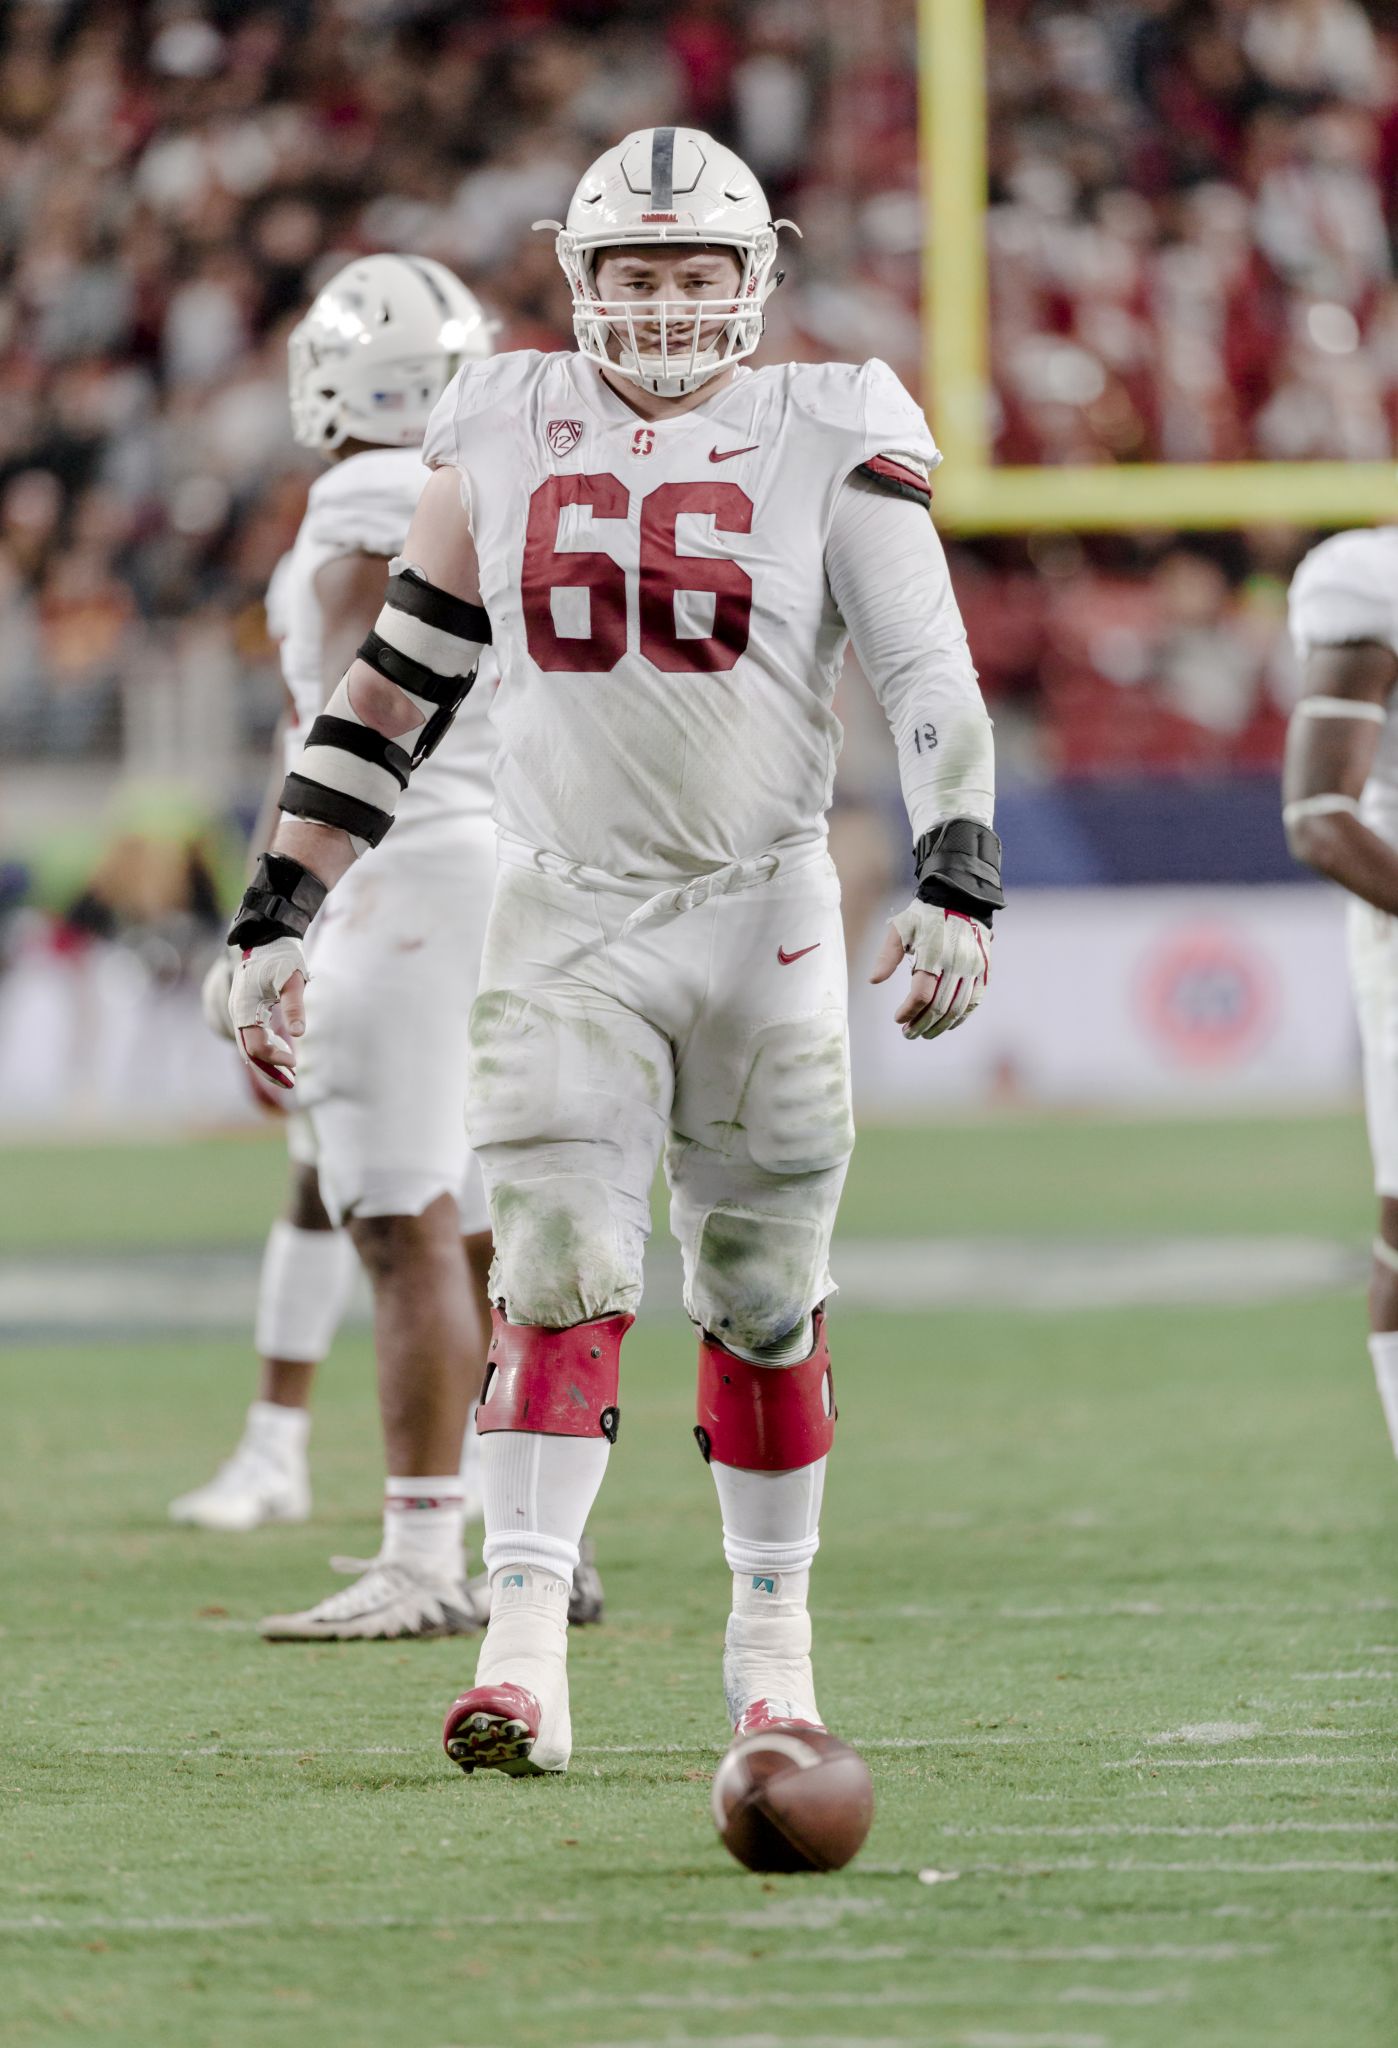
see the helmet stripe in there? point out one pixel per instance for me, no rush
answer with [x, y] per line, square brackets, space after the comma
[420, 270]
[662, 169]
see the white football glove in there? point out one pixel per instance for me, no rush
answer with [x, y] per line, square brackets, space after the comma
[214, 991]
[955, 950]
[260, 974]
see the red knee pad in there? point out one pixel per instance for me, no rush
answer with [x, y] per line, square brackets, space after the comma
[765, 1418]
[553, 1382]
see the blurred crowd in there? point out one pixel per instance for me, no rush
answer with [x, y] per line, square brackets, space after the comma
[177, 179]
[1190, 249]
[1192, 229]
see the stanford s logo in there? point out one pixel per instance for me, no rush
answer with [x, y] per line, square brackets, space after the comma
[643, 440]
[564, 435]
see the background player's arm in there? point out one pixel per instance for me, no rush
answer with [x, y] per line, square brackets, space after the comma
[309, 853]
[1330, 747]
[889, 578]
[441, 546]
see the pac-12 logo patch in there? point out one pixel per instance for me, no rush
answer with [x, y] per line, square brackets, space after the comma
[564, 435]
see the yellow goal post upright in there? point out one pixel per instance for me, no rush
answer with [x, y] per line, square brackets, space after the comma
[975, 495]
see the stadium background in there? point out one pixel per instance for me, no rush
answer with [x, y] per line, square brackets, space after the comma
[1106, 1593]
[1189, 247]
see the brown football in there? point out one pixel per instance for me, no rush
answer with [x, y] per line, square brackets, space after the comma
[793, 1799]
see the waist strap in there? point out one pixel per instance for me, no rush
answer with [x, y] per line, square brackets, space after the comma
[673, 900]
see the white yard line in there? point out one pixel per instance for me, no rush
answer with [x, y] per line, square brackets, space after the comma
[1130, 1867]
[1113, 1829]
[1363, 1671]
[1221, 1763]
[1118, 1610]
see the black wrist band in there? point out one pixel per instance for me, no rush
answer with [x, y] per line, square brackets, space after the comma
[958, 867]
[279, 902]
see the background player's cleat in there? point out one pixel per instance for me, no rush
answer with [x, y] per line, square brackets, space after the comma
[524, 1655]
[759, 1716]
[586, 1604]
[387, 1604]
[254, 1486]
[767, 1668]
[493, 1728]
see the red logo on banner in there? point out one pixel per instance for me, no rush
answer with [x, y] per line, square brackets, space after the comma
[1208, 995]
[564, 435]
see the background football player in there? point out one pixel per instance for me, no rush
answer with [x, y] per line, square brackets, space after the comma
[668, 552]
[378, 1138]
[1340, 801]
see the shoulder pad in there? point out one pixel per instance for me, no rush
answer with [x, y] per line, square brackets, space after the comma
[478, 387]
[365, 505]
[1347, 590]
[277, 603]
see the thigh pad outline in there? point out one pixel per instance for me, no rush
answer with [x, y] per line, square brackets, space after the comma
[795, 1109]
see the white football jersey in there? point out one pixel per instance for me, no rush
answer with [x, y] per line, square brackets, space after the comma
[667, 642]
[363, 506]
[1347, 589]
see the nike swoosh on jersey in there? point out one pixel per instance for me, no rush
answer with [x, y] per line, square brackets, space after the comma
[727, 454]
[787, 958]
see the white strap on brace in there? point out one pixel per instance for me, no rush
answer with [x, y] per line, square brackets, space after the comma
[1386, 1255]
[1330, 806]
[1341, 707]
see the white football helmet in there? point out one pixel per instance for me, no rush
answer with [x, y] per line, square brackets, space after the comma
[673, 185]
[378, 346]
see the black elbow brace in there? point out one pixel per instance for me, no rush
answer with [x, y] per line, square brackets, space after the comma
[958, 867]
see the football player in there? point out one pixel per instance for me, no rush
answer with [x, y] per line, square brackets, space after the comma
[1340, 809]
[378, 1138]
[666, 552]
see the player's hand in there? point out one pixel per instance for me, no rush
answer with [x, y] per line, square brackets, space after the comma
[951, 967]
[263, 977]
[214, 991]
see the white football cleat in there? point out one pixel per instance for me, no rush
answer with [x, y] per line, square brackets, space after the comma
[515, 1717]
[767, 1675]
[387, 1604]
[254, 1486]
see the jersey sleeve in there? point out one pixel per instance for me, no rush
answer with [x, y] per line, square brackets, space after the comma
[277, 603]
[364, 506]
[1346, 590]
[899, 453]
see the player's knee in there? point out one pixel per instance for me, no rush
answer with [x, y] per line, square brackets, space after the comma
[560, 1257]
[755, 1277]
[796, 1104]
[390, 1247]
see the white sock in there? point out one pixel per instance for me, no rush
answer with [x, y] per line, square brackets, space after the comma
[471, 1456]
[302, 1292]
[1383, 1349]
[538, 1494]
[771, 1520]
[422, 1525]
[279, 1433]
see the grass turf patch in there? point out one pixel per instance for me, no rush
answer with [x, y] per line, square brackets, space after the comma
[1050, 1175]
[1106, 1598]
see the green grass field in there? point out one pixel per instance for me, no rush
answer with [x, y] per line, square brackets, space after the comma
[1108, 1599]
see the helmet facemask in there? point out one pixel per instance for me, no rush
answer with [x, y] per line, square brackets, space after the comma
[668, 346]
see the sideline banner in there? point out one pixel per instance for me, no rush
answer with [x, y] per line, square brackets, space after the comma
[1204, 998]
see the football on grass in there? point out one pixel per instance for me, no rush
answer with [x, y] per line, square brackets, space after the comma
[793, 1799]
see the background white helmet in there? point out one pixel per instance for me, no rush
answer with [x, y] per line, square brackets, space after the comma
[669, 185]
[377, 348]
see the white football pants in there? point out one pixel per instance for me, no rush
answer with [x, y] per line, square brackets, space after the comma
[711, 1020]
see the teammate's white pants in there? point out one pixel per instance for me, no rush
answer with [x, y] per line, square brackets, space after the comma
[381, 1075]
[606, 1026]
[1373, 955]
